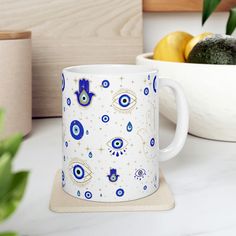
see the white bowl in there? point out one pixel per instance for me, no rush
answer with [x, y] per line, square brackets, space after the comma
[210, 91]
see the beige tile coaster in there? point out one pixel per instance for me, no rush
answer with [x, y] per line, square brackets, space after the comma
[63, 202]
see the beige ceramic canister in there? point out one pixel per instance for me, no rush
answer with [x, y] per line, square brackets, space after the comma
[16, 81]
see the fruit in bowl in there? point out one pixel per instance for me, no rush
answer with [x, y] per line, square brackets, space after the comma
[208, 77]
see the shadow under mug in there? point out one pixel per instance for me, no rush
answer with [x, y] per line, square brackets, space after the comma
[110, 131]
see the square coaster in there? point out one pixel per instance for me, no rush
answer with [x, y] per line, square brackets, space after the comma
[60, 201]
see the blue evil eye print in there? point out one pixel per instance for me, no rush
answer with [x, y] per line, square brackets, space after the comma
[78, 193]
[63, 178]
[149, 77]
[105, 118]
[129, 127]
[146, 91]
[80, 172]
[140, 174]
[124, 100]
[152, 142]
[90, 155]
[145, 187]
[105, 83]
[66, 144]
[120, 192]
[84, 96]
[88, 195]
[117, 143]
[113, 176]
[68, 101]
[117, 146]
[63, 82]
[76, 130]
[154, 84]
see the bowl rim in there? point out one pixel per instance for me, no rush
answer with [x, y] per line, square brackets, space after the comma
[146, 57]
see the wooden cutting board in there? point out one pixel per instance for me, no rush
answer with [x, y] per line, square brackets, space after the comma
[73, 32]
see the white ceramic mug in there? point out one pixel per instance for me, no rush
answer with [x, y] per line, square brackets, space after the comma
[110, 131]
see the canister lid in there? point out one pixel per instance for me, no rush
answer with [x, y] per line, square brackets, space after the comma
[8, 35]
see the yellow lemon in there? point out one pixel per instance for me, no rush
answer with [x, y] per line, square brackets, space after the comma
[172, 47]
[194, 41]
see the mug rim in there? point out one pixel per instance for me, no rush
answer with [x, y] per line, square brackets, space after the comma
[110, 69]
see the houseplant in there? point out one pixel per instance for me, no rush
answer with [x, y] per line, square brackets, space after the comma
[12, 184]
[208, 8]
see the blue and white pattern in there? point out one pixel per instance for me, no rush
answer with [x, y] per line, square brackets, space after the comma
[105, 118]
[68, 101]
[129, 127]
[146, 91]
[63, 82]
[109, 136]
[120, 192]
[84, 96]
[88, 195]
[76, 129]
[113, 176]
[124, 100]
[152, 142]
[105, 83]
[117, 146]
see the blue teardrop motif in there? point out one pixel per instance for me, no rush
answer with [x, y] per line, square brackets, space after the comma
[90, 154]
[129, 127]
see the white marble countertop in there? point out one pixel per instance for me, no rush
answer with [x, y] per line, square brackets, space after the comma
[202, 178]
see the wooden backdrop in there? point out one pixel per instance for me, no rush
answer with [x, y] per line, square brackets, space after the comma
[73, 32]
[182, 5]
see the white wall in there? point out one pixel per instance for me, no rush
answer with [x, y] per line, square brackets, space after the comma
[156, 25]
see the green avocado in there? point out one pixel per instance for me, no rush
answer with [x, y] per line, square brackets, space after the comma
[217, 49]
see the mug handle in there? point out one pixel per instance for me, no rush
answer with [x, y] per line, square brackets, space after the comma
[182, 123]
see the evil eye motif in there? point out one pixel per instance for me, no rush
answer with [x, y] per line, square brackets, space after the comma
[140, 174]
[129, 127]
[145, 187]
[80, 172]
[105, 118]
[105, 83]
[152, 142]
[68, 101]
[155, 84]
[84, 96]
[66, 144]
[149, 77]
[120, 192]
[63, 178]
[124, 100]
[117, 146]
[113, 176]
[76, 130]
[88, 195]
[63, 82]
[146, 91]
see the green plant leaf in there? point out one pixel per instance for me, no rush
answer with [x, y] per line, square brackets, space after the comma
[11, 145]
[5, 174]
[10, 201]
[208, 7]
[231, 23]
[9, 234]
